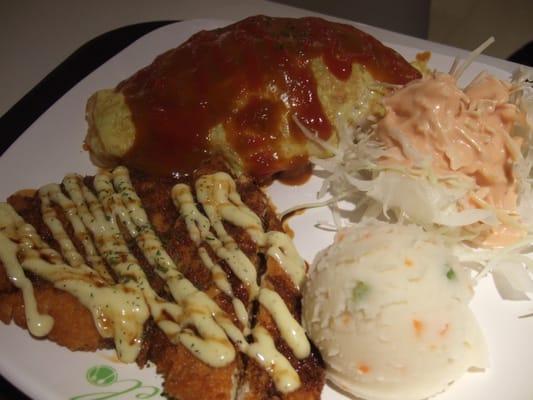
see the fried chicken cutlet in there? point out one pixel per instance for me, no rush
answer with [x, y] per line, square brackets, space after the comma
[199, 257]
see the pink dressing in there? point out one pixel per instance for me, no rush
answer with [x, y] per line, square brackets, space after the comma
[433, 123]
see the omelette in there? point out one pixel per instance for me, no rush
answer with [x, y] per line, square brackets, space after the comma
[244, 92]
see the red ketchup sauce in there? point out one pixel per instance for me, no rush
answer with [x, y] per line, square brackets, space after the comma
[247, 77]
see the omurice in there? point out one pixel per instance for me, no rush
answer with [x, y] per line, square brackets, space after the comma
[244, 92]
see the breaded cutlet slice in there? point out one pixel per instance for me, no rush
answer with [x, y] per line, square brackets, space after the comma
[185, 376]
[256, 383]
[73, 323]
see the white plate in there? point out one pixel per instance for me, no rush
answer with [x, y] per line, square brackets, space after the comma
[51, 147]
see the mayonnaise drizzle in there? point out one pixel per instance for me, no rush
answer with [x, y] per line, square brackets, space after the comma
[112, 246]
[291, 331]
[68, 249]
[224, 245]
[199, 227]
[100, 217]
[119, 202]
[121, 309]
[220, 200]
[108, 304]
[264, 352]
[12, 228]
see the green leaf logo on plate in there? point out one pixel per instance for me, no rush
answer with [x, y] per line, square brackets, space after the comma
[102, 375]
[106, 378]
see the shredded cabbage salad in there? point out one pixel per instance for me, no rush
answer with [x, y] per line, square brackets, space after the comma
[416, 192]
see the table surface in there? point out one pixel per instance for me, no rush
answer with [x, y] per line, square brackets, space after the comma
[9, 392]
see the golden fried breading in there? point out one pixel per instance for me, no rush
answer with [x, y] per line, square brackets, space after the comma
[73, 323]
[256, 384]
[186, 377]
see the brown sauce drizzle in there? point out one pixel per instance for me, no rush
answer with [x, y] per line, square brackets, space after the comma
[298, 175]
[247, 77]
